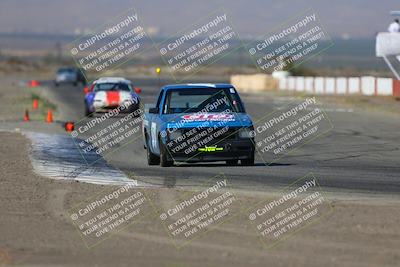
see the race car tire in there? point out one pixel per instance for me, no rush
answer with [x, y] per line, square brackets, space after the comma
[164, 162]
[87, 112]
[232, 162]
[248, 162]
[135, 110]
[151, 158]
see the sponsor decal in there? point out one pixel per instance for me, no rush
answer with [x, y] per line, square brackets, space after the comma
[208, 117]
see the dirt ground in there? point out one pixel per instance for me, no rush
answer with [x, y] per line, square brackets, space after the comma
[35, 229]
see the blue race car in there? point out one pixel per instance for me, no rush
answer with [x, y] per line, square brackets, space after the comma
[198, 122]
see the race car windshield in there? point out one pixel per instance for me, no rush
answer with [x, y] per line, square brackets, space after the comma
[112, 87]
[66, 70]
[202, 100]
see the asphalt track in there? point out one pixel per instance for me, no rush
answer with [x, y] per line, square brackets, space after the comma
[359, 155]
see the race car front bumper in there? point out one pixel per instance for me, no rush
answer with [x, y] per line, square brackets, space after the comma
[106, 108]
[238, 149]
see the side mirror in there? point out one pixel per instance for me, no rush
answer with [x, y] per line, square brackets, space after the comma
[138, 90]
[86, 90]
[153, 110]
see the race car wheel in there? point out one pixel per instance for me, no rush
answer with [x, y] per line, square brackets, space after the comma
[232, 162]
[151, 158]
[248, 162]
[135, 109]
[164, 162]
[87, 112]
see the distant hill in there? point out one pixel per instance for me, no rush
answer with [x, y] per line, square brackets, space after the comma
[355, 53]
[354, 18]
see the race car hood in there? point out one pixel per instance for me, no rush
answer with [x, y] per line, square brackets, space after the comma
[191, 120]
[111, 98]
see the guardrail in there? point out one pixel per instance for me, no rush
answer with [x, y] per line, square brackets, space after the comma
[367, 85]
[254, 82]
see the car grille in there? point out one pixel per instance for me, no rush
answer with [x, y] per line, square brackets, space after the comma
[223, 134]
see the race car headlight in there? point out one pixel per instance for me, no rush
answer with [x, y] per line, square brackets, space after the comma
[174, 134]
[245, 133]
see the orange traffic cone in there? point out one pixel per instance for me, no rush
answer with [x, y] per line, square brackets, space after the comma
[33, 83]
[35, 104]
[26, 115]
[49, 118]
[69, 126]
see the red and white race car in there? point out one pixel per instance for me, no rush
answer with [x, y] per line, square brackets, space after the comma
[109, 93]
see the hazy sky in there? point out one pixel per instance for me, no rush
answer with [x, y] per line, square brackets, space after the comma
[357, 18]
